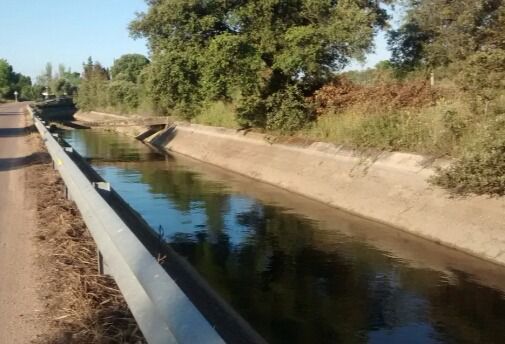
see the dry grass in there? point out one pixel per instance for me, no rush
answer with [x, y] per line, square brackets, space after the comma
[85, 307]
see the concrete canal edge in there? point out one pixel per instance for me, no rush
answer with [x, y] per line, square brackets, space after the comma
[391, 188]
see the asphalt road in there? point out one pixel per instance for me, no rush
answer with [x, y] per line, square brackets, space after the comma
[19, 303]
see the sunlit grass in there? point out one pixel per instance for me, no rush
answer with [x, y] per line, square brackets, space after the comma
[218, 114]
[440, 129]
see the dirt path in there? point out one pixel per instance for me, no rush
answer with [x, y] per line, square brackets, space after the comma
[20, 306]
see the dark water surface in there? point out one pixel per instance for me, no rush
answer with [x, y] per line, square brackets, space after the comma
[298, 271]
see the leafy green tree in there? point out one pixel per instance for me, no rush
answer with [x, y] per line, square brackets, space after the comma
[63, 82]
[173, 81]
[120, 90]
[11, 81]
[93, 90]
[32, 92]
[128, 67]
[440, 32]
[259, 53]
[484, 74]
[24, 87]
[7, 79]
[46, 77]
[94, 70]
[406, 45]
[123, 94]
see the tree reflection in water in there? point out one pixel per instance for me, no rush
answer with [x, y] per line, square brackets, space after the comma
[289, 281]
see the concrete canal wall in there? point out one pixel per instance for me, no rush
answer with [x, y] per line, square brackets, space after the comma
[391, 188]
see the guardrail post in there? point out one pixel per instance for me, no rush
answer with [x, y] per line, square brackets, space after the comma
[100, 262]
[66, 193]
[161, 308]
[103, 269]
[102, 186]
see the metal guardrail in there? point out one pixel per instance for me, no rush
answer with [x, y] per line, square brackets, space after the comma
[162, 310]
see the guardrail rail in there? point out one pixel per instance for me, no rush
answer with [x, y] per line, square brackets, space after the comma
[162, 310]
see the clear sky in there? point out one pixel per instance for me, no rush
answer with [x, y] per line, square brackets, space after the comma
[381, 52]
[34, 32]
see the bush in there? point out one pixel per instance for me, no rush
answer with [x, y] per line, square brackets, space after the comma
[124, 95]
[287, 111]
[251, 112]
[481, 169]
[484, 74]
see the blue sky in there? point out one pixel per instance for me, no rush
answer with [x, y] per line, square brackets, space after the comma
[34, 32]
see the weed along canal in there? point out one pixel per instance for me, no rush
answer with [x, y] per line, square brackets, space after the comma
[297, 270]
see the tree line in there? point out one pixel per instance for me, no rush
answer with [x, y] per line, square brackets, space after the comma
[11, 82]
[268, 57]
[59, 83]
[280, 66]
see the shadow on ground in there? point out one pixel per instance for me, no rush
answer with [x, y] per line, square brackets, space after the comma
[2, 113]
[7, 164]
[13, 132]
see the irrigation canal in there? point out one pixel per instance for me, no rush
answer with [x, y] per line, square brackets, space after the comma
[296, 270]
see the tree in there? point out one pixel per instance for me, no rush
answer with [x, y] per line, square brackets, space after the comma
[94, 70]
[93, 86]
[440, 32]
[11, 81]
[63, 82]
[128, 67]
[46, 77]
[24, 87]
[260, 53]
[123, 94]
[7, 79]
[406, 45]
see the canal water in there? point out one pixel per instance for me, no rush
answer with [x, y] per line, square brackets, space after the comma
[296, 270]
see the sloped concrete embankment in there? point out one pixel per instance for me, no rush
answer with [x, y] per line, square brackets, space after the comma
[391, 188]
[137, 126]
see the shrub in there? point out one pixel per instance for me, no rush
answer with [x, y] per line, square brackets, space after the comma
[251, 112]
[287, 111]
[480, 169]
[484, 74]
[123, 94]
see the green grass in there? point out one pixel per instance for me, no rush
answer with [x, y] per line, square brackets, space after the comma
[218, 114]
[438, 130]
[473, 138]
[472, 134]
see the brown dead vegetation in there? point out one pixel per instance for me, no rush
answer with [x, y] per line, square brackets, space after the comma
[85, 307]
[342, 93]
